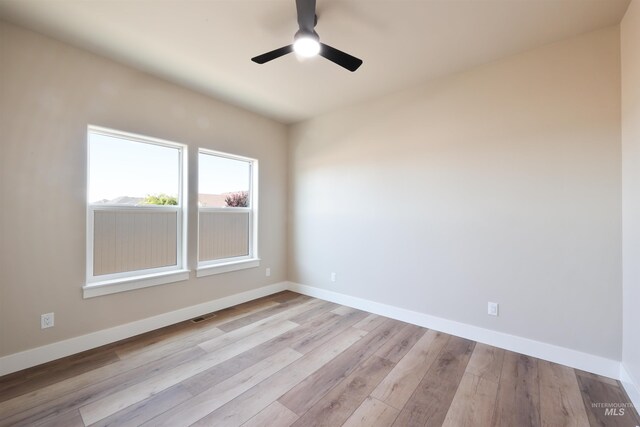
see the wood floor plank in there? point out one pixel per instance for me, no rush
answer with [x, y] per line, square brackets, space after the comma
[286, 296]
[161, 347]
[518, 401]
[396, 389]
[274, 415]
[287, 309]
[208, 401]
[225, 339]
[370, 322]
[89, 378]
[261, 303]
[326, 330]
[58, 371]
[131, 346]
[188, 330]
[141, 412]
[600, 378]
[311, 314]
[306, 394]
[342, 401]
[561, 403]
[486, 362]
[395, 349]
[67, 419]
[104, 407]
[473, 403]
[55, 403]
[250, 403]
[202, 381]
[429, 404]
[31, 374]
[372, 413]
[606, 405]
[342, 310]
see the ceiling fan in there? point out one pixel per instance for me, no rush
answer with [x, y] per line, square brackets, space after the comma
[306, 42]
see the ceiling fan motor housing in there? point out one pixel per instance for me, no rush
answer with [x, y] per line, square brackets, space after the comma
[306, 34]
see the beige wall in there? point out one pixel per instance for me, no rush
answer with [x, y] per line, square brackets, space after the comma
[630, 41]
[49, 92]
[498, 184]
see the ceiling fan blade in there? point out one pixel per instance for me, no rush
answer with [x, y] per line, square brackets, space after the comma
[274, 54]
[344, 60]
[306, 15]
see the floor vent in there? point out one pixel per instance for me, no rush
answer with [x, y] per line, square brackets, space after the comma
[203, 318]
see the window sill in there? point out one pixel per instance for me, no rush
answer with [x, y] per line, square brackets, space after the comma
[131, 283]
[208, 270]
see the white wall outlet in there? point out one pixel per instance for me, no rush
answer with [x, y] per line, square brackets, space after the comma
[268, 272]
[46, 321]
[333, 277]
[492, 309]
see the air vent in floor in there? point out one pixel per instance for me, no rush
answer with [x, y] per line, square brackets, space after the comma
[203, 318]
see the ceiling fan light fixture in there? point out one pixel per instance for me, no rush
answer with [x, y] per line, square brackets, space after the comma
[306, 45]
[306, 42]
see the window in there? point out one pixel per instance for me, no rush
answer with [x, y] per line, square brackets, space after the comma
[135, 212]
[227, 214]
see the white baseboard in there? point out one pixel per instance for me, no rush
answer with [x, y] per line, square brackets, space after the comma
[575, 359]
[631, 386]
[36, 356]
[553, 353]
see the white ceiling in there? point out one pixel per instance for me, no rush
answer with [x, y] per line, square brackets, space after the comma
[207, 45]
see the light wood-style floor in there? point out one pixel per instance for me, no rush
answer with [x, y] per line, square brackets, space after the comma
[290, 359]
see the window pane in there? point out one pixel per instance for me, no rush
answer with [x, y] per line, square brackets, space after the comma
[223, 182]
[223, 234]
[124, 173]
[126, 239]
[128, 172]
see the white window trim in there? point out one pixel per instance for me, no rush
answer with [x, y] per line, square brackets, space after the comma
[129, 280]
[225, 265]
[138, 282]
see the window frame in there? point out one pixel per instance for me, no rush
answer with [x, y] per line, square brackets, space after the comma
[252, 260]
[128, 280]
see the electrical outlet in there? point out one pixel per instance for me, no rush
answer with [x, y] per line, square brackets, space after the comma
[333, 277]
[268, 272]
[492, 309]
[46, 321]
